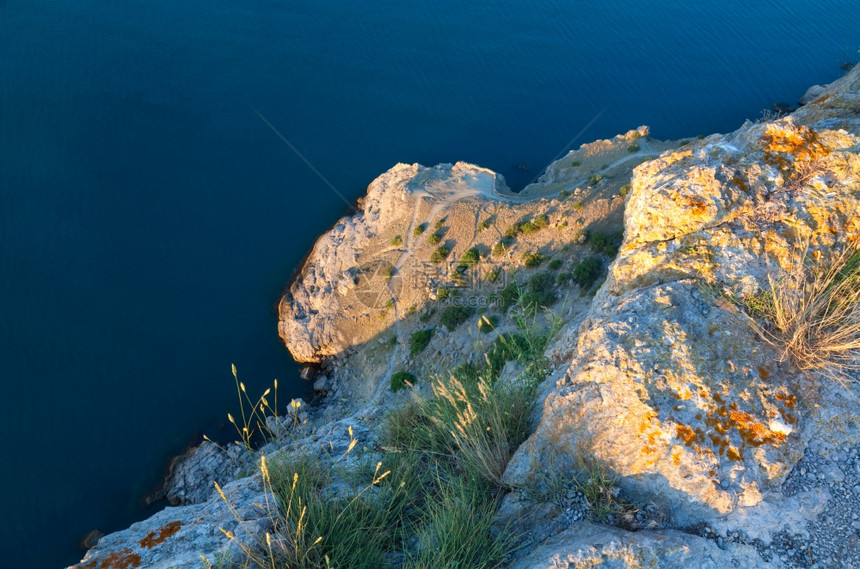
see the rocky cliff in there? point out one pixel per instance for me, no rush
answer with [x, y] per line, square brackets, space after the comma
[646, 252]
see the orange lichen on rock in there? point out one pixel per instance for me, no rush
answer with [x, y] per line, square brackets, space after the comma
[124, 559]
[151, 539]
[790, 148]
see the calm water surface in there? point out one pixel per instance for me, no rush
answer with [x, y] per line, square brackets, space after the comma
[149, 218]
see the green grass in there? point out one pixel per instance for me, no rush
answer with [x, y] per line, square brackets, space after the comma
[576, 163]
[419, 229]
[625, 189]
[555, 264]
[397, 241]
[493, 275]
[499, 249]
[484, 225]
[427, 495]
[633, 148]
[440, 223]
[419, 341]
[434, 239]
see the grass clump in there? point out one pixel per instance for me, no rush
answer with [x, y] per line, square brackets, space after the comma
[633, 148]
[555, 264]
[434, 239]
[625, 189]
[453, 316]
[419, 341]
[419, 229]
[493, 275]
[484, 225]
[397, 241]
[401, 379]
[576, 163]
[499, 249]
[813, 314]
[440, 223]
[439, 255]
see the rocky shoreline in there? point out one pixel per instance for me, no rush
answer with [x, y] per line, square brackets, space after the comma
[732, 456]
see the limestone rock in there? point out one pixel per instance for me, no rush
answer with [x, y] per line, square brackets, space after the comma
[669, 388]
[175, 538]
[586, 545]
[192, 474]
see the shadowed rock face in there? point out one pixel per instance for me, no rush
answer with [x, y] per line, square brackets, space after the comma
[669, 387]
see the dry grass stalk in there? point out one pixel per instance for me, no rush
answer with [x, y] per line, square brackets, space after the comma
[814, 315]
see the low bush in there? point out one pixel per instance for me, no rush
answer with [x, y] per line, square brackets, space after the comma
[499, 249]
[587, 272]
[532, 259]
[397, 241]
[453, 316]
[592, 181]
[439, 255]
[419, 229]
[434, 239]
[419, 341]
[401, 379]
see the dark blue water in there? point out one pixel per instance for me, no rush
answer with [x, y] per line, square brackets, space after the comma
[149, 218]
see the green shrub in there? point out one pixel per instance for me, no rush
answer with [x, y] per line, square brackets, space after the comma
[419, 229]
[508, 296]
[439, 255]
[453, 316]
[397, 241]
[564, 193]
[494, 275]
[598, 240]
[442, 293]
[587, 272]
[532, 259]
[577, 206]
[594, 179]
[486, 224]
[470, 258]
[440, 223]
[555, 264]
[419, 341]
[576, 163]
[564, 278]
[401, 379]
[633, 148]
[625, 189]
[499, 249]
[434, 239]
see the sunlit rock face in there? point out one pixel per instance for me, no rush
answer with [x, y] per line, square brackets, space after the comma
[669, 387]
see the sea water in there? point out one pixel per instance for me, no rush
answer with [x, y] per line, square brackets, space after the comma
[150, 215]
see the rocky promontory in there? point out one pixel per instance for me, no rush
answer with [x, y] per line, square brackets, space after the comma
[646, 256]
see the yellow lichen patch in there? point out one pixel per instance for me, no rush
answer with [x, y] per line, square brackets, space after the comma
[151, 539]
[124, 559]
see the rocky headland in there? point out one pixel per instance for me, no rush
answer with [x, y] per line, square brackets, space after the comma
[644, 256]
